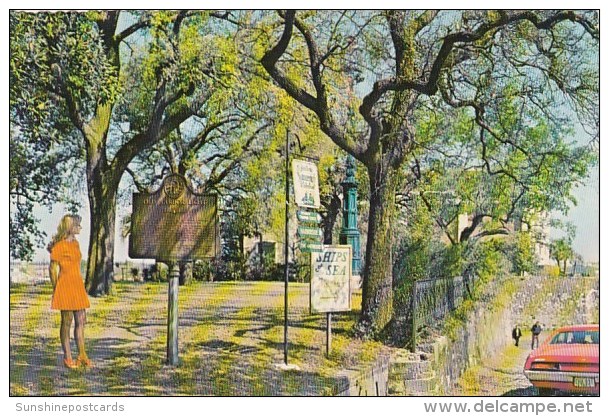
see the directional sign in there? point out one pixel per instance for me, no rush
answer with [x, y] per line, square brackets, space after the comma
[309, 232]
[308, 216]
[310, 246]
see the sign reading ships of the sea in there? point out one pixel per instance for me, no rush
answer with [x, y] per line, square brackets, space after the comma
[174, 223]
[306, 184]
[331, 279]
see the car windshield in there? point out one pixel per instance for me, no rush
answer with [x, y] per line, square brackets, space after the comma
[576, 337]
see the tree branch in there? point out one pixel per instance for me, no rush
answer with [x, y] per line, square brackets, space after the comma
[317, 104]
[430, 86]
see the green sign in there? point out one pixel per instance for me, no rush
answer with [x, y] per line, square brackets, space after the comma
[308, 216]
[307, 246]
[309, 232]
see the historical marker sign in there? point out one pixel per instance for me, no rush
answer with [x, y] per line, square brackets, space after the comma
[174, 223]
[331, 279]
[306, 183]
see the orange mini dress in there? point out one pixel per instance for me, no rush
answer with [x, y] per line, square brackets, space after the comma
[70, 293]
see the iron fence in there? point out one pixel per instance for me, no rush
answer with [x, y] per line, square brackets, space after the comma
[432, 300]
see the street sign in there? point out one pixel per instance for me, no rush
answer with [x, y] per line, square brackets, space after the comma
[306, 184]
[308, 216]
[307, 246]
[309, 232]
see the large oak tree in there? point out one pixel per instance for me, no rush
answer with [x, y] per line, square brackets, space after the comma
[396, 63]
[74, 63]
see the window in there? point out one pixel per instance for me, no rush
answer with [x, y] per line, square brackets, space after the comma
[576, 337]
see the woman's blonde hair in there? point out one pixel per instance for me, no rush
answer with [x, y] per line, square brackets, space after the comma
[63, 229]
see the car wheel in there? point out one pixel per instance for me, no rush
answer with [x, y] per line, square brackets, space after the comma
[545, 392]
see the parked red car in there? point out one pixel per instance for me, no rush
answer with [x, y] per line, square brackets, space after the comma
[568, 361]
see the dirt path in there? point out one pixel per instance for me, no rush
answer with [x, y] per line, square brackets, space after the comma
[500, 376]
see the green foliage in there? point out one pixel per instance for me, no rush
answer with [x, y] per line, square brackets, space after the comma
[50, 53]
[561, 251]
[523, 256]
[491, 260]
[551, 271]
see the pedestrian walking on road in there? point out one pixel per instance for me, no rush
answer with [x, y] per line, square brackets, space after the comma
[535, 331]
[69, 294]
[516, 334]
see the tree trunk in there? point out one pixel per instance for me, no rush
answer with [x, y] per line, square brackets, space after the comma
[101, 242]
[377, 296]
[102, 189]
[330, 219]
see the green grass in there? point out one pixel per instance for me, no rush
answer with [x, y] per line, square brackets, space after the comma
[191, 361]
[152, 367]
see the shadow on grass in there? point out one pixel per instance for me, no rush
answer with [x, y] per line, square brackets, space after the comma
[219, 346]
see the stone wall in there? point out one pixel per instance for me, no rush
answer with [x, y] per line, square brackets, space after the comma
[370, 381]
[435, 369]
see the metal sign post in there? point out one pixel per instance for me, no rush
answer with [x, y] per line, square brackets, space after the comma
[172, 314]
[328, 333]
[285, 251]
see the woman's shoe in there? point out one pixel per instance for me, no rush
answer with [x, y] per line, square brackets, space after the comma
[84, 361]
[69, 363]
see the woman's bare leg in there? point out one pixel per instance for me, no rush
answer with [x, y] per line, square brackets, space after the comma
[79, 332]
[64, 334]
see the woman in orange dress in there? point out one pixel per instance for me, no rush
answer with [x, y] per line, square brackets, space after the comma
[69, 294]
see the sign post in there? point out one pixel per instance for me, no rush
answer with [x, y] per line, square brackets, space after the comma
[285, 249]
[172, 314]
[331, 284]
[328, 333]
[173, 225]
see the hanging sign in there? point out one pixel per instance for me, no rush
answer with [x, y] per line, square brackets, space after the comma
[331, 279]
[306, 184]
